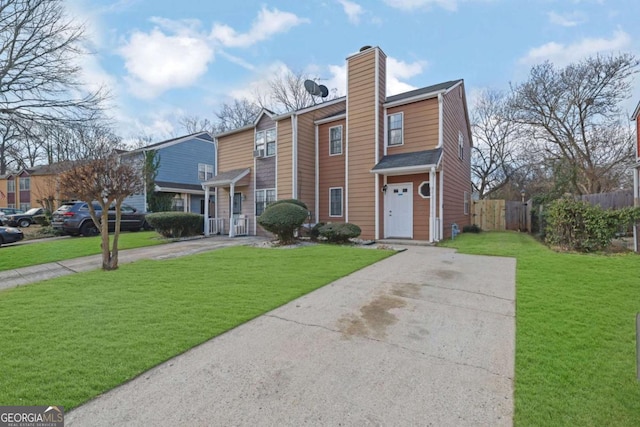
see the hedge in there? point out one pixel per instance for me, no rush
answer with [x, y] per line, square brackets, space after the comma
[176, 224]
[339, 232]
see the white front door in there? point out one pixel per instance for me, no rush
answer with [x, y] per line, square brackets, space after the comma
[398, 210]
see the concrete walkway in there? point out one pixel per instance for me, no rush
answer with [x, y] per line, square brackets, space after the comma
[24, 276]
[425, 337]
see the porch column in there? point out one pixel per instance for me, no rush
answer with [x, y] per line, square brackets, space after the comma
[232, 231]
[206, 211]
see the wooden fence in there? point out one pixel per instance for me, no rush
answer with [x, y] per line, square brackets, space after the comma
[500, 215]
[615, 200]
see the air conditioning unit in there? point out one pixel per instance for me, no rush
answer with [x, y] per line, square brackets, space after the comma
[258, 153]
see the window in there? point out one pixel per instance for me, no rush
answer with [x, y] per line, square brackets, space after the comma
[25, 184]
[205, 172]
[11, 186]
[263, 199]
[335, 140]
[177, 203]
[460, 145]
[466, 203]
[25, 206]
[424, 190]
[266, 140]
[335, 201]
[395, 129]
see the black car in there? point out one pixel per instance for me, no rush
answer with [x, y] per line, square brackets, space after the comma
[8, 211]
[10, 235]
[73, 218]
[22, 219]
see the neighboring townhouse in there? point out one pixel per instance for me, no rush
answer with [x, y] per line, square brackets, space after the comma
[185, 162]
[32, 187]
[636, 176]
[398, 166]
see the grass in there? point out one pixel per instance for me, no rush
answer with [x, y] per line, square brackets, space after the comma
[60, 249]
[67, 340]
[575, 336]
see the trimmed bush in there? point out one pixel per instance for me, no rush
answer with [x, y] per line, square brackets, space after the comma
[315, 231]
[339, 232]
[293, 201]
[176, 224]
[474, 228]
[283, 219]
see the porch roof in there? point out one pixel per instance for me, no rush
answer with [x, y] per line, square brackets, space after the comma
[227, 178]
[408, 163]
[177, 187]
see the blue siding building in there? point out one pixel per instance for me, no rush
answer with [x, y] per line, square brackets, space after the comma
[184, 163]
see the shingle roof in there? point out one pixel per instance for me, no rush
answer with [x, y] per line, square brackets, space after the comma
[167, 184]
[226, 178]
[337, 113]
[422, 91]
[201, 135]
[407, 160]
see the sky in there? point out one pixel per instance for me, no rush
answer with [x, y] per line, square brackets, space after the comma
[165, 59]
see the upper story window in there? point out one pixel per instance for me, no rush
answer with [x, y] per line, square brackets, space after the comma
[460, 145]
[335, 140]
[205, 172]
[266, 140]
[25, 184]
[11, 186]
[394, 126]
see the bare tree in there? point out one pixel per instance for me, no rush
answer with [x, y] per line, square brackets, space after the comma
[573, 114]
[495, 152]
[195, 124]
[39, 75]
[108, 181]
[286, 92]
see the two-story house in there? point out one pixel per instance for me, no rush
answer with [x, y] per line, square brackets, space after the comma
[32, 187]
[398, 166]
[184, 163]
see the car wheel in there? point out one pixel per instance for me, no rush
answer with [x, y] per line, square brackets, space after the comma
[89, 229]
[24, 223]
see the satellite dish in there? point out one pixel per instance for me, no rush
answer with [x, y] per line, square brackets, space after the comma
[312, 87]
[324, 92]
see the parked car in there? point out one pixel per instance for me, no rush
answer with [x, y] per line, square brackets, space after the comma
[22, 219]
[8, 211]
[74, 218]
[10, 235]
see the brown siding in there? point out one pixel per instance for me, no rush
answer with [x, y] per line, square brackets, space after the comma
[457, 172]
[284, 146]
[420, 126]
[266, 173]
[265, 123]
[361, 133]
[234, 152]
[332, 169]
[420, 205]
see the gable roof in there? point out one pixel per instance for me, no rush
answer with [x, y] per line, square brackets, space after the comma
[202, 135]
[415, 162]
[425, 92]
[636, 112]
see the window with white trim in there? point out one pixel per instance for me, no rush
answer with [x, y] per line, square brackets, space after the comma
[205, 172]
[266, 140]
[263, 199]
[335, 201]
[11, 186]
[424, 190]
[460, 145]
[466, 203]
[25, 183]
[335, 140]
[394, 129]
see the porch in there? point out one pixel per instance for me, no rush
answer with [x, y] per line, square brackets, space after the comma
[220, 226]
[232, 222]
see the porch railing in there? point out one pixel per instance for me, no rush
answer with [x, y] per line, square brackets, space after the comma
[216, 226]
[241, 226]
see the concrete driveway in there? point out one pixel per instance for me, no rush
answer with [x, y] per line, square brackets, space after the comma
[426, 337]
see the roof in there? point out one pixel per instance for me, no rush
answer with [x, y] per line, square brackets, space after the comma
[227, 178]
[177, 185]
[423, 91]
[636, 112]
[204, 135]
[416, 162]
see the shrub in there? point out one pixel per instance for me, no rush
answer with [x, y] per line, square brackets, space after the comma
[176, 224]
[41, 220]
[293, 201]
[474, 228]
[315, 231]
[579, 226]
[283, 219]
[339, 232]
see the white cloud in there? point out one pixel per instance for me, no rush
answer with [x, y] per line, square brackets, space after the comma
[563, 54]
[353, 10]
[400, 70]
[568, 19]
[157, 62]
[268, 23]
[422, 4]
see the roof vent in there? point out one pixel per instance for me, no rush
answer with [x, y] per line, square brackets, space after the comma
[363, 48]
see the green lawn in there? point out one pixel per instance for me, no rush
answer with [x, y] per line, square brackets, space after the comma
[67, 340]
[57, 250]
[575, 337]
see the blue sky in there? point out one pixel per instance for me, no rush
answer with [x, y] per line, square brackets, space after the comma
[164, 59]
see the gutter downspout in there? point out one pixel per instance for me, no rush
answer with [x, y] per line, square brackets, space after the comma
[432, 206]
[440, 201]
[317, 198]
[376, 177]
